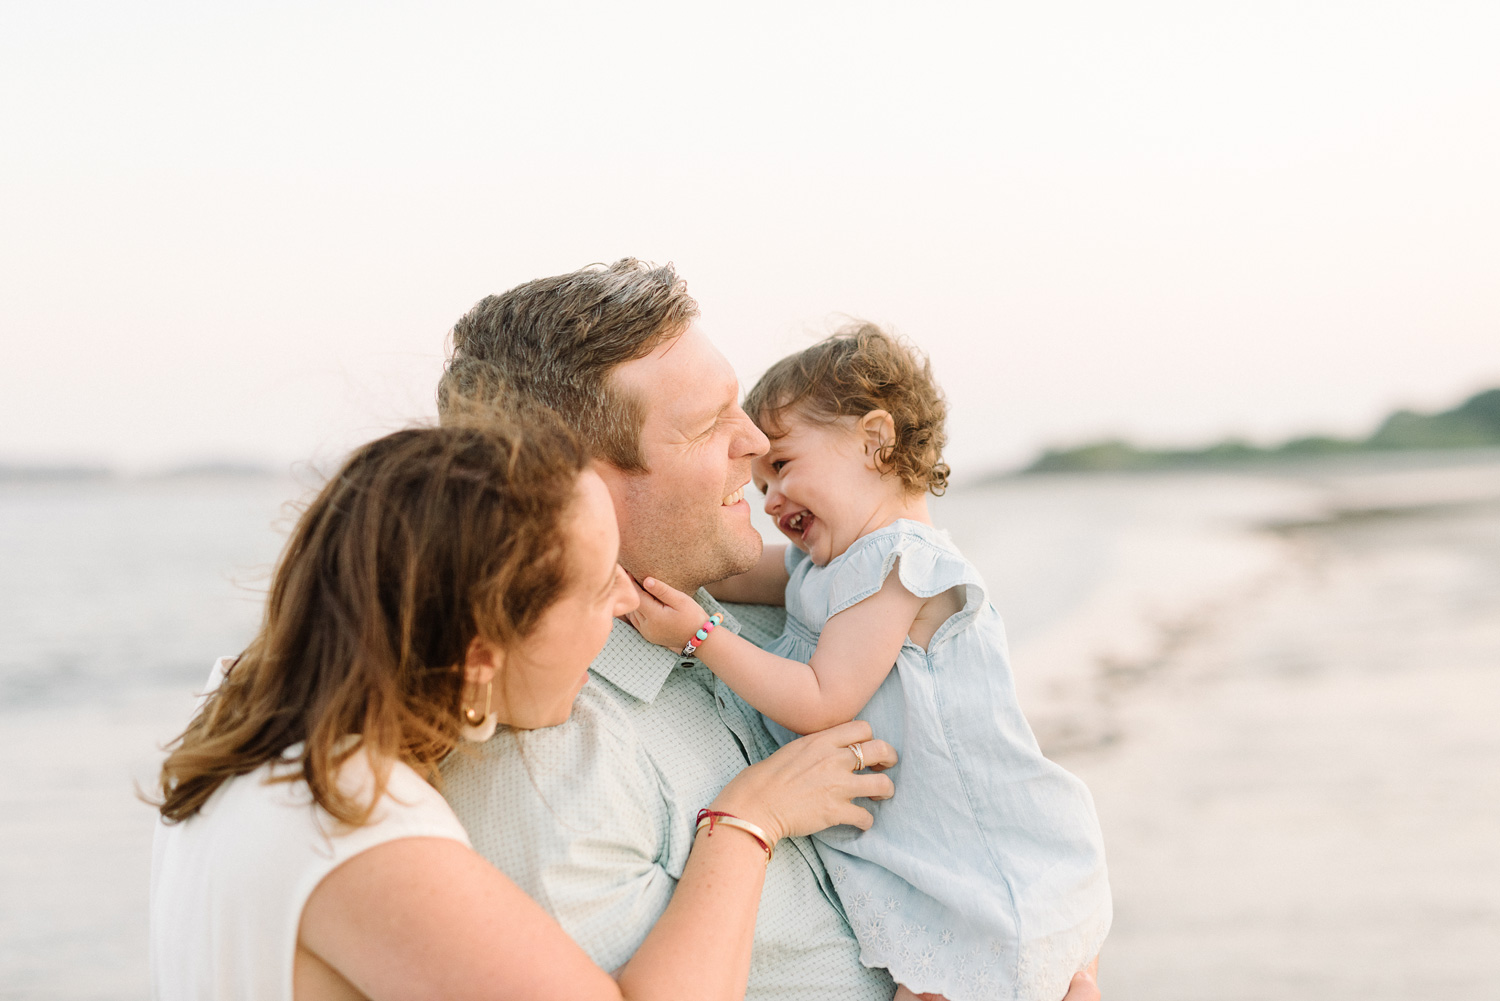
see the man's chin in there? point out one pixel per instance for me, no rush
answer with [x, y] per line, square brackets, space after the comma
[741, 550]
[690, 560]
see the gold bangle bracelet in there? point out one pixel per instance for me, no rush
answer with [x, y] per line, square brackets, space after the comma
[725, 820]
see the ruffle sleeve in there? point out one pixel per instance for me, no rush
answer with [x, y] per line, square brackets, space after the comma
[927, 562]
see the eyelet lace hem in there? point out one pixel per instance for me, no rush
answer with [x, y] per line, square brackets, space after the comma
[930, 960]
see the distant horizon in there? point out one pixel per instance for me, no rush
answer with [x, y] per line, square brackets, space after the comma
[229, 466]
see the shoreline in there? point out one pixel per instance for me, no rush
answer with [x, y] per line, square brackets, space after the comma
[1074, 674]
[1302, 800]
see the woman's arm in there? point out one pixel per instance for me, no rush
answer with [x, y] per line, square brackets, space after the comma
[429, 918]
[765, 584]
[855, 652]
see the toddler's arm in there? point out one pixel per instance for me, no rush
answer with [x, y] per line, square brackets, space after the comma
[857, 650]
[765, 584]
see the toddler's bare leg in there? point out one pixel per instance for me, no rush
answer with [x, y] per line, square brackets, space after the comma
[902, 994]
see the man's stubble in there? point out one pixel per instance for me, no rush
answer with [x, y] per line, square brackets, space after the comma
[666, 536]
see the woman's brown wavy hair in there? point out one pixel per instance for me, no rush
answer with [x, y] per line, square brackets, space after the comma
[424, 540]
[858, 369]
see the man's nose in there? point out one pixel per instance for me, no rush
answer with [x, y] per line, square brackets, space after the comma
[752, 441]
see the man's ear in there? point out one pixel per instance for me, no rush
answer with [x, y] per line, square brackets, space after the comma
[877, 431]
[483, 660]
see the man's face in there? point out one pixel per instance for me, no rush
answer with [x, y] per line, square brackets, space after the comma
[686, 521]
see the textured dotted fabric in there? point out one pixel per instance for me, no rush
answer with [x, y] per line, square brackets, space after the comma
[594, 818]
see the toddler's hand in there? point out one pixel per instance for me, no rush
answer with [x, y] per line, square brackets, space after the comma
[665, 616]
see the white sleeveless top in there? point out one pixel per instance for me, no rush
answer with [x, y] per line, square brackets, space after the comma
[228, 884]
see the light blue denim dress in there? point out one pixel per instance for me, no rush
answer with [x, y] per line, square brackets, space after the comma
[984, 876]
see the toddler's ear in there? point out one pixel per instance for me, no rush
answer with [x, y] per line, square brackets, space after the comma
[877, 431]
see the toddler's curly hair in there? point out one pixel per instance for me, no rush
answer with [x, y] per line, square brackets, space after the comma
[858, 369]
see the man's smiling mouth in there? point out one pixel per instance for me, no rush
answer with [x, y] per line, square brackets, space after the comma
[735, 497]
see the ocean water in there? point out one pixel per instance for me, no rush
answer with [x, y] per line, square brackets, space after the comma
[116, 596]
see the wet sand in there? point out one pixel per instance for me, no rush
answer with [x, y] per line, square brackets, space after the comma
[1301, 792]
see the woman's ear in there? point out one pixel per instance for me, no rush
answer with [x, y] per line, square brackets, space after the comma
[482, 661]
[877, 432]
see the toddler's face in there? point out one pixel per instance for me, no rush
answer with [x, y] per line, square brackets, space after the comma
[821, 485]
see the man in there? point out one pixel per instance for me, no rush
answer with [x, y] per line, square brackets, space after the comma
[594, 818]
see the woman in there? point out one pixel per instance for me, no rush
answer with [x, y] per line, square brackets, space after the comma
[445, 579]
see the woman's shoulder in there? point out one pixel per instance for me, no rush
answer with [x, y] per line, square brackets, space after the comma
[409, 806]
[271, 812]
[228, 884]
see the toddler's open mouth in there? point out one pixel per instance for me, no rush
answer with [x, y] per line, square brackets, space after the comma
[796, 523]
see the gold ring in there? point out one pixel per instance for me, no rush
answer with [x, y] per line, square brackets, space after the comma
[859, 757]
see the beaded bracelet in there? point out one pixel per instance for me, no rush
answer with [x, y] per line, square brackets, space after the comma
[702, 634]
[708, 818]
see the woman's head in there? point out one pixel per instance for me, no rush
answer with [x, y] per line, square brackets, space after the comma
[430, 557]
[858, 370]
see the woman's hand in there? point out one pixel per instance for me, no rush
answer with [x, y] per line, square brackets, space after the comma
[665, 616]
[810, 783]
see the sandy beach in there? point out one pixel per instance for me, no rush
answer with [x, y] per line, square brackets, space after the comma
[1301, 792]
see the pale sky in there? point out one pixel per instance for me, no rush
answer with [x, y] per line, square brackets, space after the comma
[243, 230]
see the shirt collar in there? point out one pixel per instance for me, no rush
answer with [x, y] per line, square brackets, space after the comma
[639, 668]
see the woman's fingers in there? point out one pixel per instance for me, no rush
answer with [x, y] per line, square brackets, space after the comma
[853, 732]
[812, 783]
[874, 787]
[855, 816]
[878, 754]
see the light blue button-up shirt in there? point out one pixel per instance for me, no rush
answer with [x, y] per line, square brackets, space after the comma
[594, 818]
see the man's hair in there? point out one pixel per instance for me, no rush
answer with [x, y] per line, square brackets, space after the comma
[556, 341]
[859, 369]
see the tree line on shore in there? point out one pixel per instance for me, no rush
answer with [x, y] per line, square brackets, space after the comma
[1474, 423]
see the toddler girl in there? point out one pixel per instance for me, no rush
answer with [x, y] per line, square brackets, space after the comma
[984, 877]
